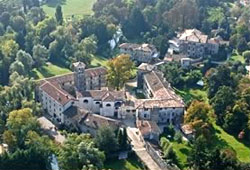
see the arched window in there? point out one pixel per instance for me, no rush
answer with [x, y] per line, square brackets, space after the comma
[85, 101]
[108, 105]
[97, 103]
[118, 104]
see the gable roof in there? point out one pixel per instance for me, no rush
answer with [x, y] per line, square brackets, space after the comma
[193, 35]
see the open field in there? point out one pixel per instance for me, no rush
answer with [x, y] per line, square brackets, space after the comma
[182, 151]
[48, 70]
[98, 61]
[70, 7]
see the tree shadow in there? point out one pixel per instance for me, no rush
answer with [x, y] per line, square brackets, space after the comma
[54, 3]
[184, 151]
[34, 75]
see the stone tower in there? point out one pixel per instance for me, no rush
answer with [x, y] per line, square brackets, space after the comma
[79, 75]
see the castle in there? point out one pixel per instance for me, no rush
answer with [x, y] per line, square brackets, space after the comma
[73, 96]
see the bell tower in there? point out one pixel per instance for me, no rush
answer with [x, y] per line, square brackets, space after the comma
[79, 75]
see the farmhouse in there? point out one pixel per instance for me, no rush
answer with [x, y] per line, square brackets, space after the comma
[141, 53]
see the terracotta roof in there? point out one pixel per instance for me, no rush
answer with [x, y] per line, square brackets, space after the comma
[56, 93]
[187, 129]
[93, 72]
[96, 121]
[147, 127]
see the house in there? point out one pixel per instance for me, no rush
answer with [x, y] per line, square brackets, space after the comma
[162, 104]
[141, 53]
[194, 44]
[148, 130]
[188, 131]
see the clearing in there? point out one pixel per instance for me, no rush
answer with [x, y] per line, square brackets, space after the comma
[70, 7]
[48, 70]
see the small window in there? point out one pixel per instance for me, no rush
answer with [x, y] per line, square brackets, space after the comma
[145, 115]
[108, 105]
[146, 109]
[85, 101]
[97, 103]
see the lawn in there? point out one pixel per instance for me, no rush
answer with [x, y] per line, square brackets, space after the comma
[189, 94]
[70, 7]
[132, 163]
[98, 61]
[48, 70]
[182, 150]
[242, 151]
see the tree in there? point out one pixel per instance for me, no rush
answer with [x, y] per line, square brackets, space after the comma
[25, 59]
[120, 70]
[18, 67]
[106, 140]
[223, 99]
[59, 15]
[173, 73]
[184, 14]
[198, 116]
[79, 152]
[246, 56]
[20, 122]
[40, 55]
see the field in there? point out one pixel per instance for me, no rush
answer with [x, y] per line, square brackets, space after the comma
[182, 151]
[70, 7]
[132, 163]
[237, 57]
[48, 70]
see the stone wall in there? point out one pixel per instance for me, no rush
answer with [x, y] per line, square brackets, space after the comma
[157, 158]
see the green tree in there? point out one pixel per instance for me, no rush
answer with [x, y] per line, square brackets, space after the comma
[40, 55]
[59, 15]
[120, 70]
[25, 59]
[223, 99]
[246, 56]
[106, 141]
[79, 152]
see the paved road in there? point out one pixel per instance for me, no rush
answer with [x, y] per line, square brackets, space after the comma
[140, 150]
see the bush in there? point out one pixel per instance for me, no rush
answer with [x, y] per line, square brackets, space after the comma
[178, 137]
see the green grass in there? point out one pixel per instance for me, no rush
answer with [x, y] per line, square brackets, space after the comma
[237, 57]
[48, 70]
[98, 61]
[132, 163]
[70, 7]
[242, 151]
[189, 94]
[182, 151]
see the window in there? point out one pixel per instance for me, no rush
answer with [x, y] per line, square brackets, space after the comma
[145, 115]
[108, 105]
[85, 101]
[97, 103]
[146, 109]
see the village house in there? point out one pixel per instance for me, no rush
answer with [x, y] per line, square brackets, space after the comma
[141, 53]
[194, 44]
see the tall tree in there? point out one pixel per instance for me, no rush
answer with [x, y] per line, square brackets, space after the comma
[120, 70]
[59, 15]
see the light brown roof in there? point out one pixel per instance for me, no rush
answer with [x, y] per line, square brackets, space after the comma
[159, 103]
[96, 121]
[193, 35]
[93, 72]
[104, 95]
[139, 47]
[147, 127]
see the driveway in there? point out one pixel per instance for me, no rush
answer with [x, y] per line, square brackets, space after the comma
[140, 150]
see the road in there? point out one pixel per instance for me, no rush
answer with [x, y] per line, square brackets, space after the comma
[140, 150]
